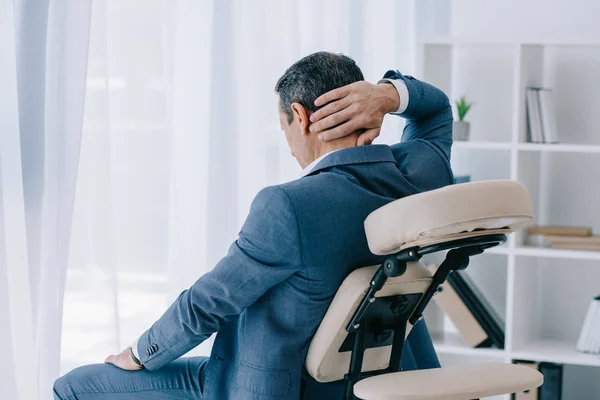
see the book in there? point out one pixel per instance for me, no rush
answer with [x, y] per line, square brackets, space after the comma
[575, 246]
[467, 325]
[553, 378]
[589, 337]
[560, 230]
[534, 122]
[587, 243]
[527, 394]
[552, 387]
[547, 116]
[594, 331]
[579, 240]
[583, 344]
[478, 305]
[462, 179]
[541, 115]
[593, 336]
[537, 241]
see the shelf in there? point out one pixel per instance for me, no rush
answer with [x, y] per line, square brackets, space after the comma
[481, 145]
[559, 147]
[449, 40]
[555, 351]
[541, 147]
[556, 253]
[452, 343]
[502, 250]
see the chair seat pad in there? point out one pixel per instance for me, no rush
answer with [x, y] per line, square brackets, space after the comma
[452, 383]
[452, 212]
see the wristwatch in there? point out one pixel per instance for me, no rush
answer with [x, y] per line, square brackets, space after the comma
[134, 358]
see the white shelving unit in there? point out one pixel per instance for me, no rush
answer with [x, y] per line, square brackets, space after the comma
[543, 294]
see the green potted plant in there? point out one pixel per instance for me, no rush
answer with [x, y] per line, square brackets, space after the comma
[461, 128]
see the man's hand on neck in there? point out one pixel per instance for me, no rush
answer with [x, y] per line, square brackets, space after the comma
[360, 105]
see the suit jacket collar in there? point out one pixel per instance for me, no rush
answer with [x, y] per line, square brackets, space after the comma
[356, 155]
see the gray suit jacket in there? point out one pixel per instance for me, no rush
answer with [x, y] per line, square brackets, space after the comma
[267, 296]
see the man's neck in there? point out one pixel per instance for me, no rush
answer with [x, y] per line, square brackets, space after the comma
[322, 147]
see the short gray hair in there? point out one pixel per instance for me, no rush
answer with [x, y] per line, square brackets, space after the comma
[312, 76]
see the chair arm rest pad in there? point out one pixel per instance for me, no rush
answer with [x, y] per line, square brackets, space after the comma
[452, 383]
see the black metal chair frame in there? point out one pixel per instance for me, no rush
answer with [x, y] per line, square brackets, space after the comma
[381, 321]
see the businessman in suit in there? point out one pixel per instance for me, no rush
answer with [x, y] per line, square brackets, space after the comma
[267, 296]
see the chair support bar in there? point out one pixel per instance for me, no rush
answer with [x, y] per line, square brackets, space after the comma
[397, 346]
[356, 361]
[456, 259]
[392, 266]
[395, 265]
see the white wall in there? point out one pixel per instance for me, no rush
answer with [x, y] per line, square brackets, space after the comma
[569, 192]
[571, 71]
[527, 20]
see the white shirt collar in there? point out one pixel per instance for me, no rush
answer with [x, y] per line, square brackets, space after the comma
[313, 164]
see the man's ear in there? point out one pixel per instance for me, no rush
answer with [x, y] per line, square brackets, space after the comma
[301, 116]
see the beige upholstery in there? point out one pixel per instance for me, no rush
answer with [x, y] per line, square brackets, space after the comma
[324, 362]
[448, 213]
[453, 212]
[463, 382]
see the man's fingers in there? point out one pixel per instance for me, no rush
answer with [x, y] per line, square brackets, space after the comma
[367, 137]
[332, 120]
[339, 131]
[329, 109]
[334, 94]
[123, 361]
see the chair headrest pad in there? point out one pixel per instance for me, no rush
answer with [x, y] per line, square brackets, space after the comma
[452, 212]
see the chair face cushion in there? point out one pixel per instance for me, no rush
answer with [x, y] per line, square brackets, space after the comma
[461, 382]
[451, 212]
[324, 362]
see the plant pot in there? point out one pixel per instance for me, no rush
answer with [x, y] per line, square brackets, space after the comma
[461, 130]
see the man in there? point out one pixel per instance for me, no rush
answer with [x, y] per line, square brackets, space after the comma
[267, 296]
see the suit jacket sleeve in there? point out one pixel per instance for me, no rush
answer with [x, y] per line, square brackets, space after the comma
[266, 253]
[428, 115]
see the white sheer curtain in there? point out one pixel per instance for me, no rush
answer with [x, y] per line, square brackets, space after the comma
[43, 61]
[181, 131]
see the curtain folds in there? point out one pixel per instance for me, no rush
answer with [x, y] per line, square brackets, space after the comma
[43, 69]
[16, 336]
[133, 137]
[181, 131]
